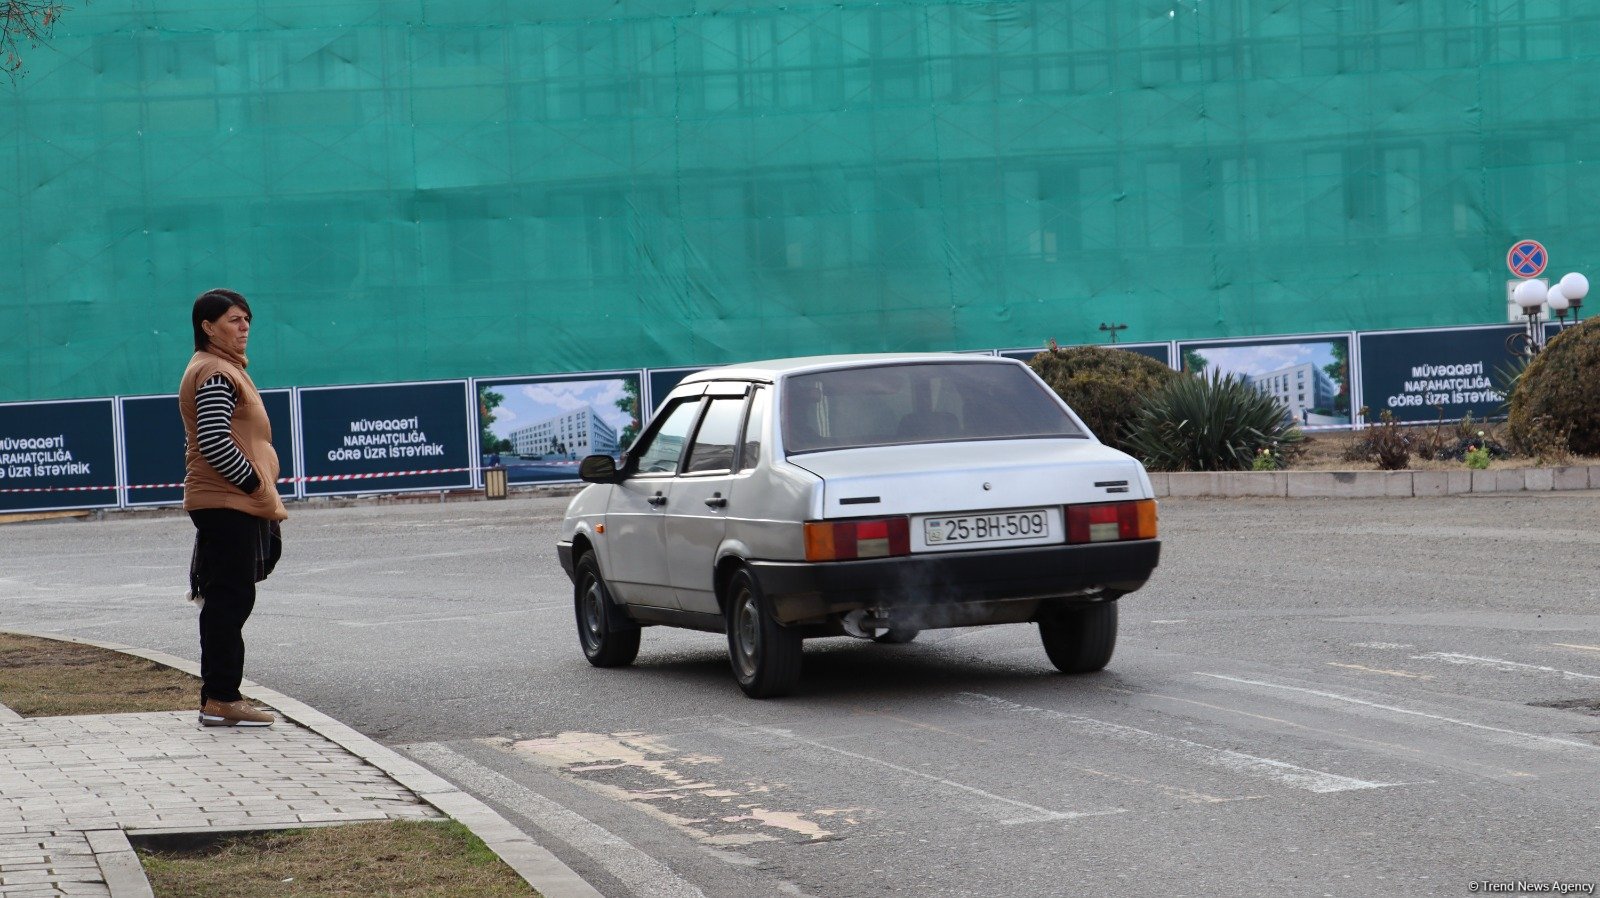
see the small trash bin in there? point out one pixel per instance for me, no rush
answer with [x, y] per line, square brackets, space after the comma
[494, 482]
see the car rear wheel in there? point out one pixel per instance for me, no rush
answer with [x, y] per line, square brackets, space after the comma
[1082, 639]
[765, 654]
[897, 635]
[607, 641]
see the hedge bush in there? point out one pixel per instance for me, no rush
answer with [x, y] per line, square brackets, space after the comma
[1556, 398]
[1104, 386]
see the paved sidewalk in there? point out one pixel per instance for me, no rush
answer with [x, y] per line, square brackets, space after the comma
[73, 788]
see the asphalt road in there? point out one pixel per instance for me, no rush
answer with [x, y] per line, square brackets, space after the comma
[1341, 697]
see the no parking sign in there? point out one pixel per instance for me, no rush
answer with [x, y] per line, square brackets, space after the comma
[1527, 258]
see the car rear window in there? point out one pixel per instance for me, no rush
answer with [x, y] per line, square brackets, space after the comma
[886, 405]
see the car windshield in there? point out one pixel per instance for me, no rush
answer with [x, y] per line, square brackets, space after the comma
[923, 402]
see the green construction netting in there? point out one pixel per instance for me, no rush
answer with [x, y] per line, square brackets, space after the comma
[412, 190]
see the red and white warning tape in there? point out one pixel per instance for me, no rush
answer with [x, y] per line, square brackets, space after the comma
[320, 478]
[325, 477]
[57, 489]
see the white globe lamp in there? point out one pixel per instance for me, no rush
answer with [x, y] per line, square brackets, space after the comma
[1558, 303]
[1557, 299]
[1530, 296]
[1574, 287]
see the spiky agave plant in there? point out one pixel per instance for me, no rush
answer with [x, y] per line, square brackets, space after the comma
[1212, 422]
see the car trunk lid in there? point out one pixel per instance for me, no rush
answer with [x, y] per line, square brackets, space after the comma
[972, 476]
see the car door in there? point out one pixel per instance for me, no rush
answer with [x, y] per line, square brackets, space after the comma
[635, 565]
[697, 514]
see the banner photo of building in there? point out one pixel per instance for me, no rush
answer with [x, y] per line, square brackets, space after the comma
[1309, 376]
[539, 428]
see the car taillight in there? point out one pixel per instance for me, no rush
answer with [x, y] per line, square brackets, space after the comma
[1111, 521]
[841, 540]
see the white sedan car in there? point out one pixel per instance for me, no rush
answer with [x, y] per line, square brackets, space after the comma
[869, 496]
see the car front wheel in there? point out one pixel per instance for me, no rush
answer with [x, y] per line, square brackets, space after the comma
[765, 654]
[1080, 640]
[606, 643]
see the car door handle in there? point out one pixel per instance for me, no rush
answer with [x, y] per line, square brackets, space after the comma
[716, 501]
[657, 500]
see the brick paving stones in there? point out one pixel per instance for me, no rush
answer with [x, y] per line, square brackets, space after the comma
[66, 780]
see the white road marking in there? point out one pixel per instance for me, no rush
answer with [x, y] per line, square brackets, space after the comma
[1382, 645]
[1532, 737]
[1281, 772]
[643, 875]
[1499, 664]
[1568, 645]
[1179, 621]
[1039, 814]
[1339, 735]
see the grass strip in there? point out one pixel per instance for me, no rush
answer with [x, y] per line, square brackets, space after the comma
[400, 859]
[47, 678]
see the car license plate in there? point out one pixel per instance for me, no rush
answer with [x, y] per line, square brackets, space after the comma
[1014, 527]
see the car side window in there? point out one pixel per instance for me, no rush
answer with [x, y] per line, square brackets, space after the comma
[713, 443]
[660, 454]
[754, 426]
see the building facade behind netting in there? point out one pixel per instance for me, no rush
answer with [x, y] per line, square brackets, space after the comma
[416, 190]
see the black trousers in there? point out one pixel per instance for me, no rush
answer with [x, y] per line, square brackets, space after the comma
[226, 563]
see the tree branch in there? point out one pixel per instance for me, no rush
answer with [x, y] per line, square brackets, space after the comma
[25, 24]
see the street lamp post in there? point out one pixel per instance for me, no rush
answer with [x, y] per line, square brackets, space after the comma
[1113, 328]
[1558, 303]
[1530, 296]
[1574, 287]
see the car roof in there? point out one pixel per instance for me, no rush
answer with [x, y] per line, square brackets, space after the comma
[772, 369]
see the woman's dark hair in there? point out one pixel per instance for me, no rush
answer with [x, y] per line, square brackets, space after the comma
[211, 305]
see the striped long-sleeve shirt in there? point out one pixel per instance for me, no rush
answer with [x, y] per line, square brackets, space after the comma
[215, 401]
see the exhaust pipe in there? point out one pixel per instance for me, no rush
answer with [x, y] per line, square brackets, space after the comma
[864, 623]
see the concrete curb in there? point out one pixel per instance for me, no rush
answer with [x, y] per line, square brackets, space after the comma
[1370, 484]
[119, 865]
[535, 864]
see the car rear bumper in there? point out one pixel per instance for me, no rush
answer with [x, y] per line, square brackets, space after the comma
[802, 591]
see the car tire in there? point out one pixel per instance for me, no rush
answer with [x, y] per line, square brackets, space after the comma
[1080, 640]
[606, 641]
[897, 635]
[764, 653]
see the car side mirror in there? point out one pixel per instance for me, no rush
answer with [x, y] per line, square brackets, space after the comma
[598, 469]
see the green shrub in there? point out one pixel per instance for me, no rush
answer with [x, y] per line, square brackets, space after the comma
[1556, 395]
[1104, 386]
[1478, 458]
[1211, 422]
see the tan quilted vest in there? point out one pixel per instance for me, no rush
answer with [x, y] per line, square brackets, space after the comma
[203, 487]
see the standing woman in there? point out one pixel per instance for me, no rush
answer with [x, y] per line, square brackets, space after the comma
[230, 492]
